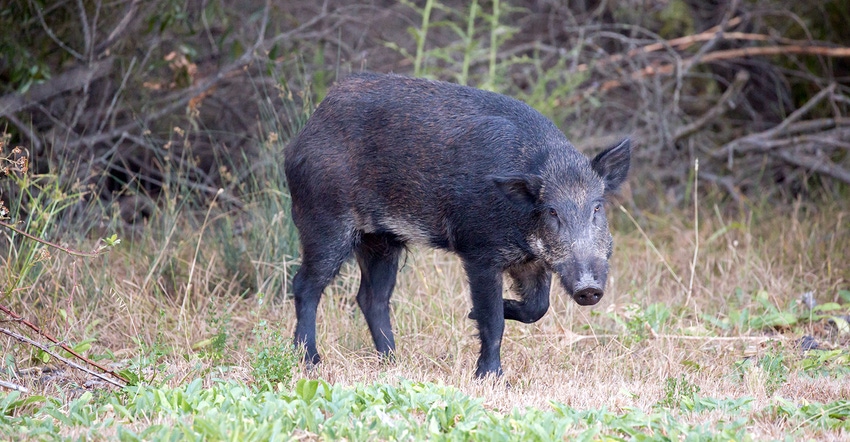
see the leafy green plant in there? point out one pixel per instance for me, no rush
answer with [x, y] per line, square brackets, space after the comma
[769, 371]
[639, 322]
[744, 319]
[549, 87]
[402, 410]
[274, 357]
[455, 59]
[35, 203]
[826, 362]
[677, 391]
[215, 347]
[149, 365]
[833, 415]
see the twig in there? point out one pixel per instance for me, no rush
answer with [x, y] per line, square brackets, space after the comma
[107, 116]
[688, 40]
[71, 252]
[261, 34]
[719, 338]
[696, 232]
[666, 69]
[12, 386]
[29, 324]
[785, 127]
[183, 97]
[87, 32]
[119, 29]
[573, 337]
[25, 130]
[726, 183]
[804, 109]
[685, 68]
[760, 144]
[723, 104]
[50, 33]
[822, 165]
[71, 363]
[827, 51]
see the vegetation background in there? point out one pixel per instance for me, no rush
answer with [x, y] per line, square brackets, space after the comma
[150, 133]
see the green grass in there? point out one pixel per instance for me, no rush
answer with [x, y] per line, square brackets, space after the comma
[397, 410]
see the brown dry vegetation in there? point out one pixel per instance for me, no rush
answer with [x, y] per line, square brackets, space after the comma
[577, 356]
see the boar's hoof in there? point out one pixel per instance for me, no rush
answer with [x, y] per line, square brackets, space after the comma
[311, 362]
[588, 296]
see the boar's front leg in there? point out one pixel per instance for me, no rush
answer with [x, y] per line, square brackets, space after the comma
[531, 282]
[485, 285]
[378, 258]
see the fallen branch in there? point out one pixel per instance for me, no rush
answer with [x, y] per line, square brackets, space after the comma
[71, 363]
[574, 337]
[725, 103]
[64, 82]
[760, 141]
[119, 30]
[65, 347]
[685, 42]
[819, 164]
[804, 109]
[14, 387]
[667, 69]
[828, 140]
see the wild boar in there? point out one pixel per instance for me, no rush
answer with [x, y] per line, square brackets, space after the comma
[387, 160]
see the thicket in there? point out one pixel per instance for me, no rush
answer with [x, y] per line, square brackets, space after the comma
[115, 98]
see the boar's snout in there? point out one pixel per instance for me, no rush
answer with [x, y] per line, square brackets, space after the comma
[584, 285]
[588, 295]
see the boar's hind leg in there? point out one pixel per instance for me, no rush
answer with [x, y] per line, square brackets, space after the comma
[485, 285]
[323, 255]
[531, 283]
[378, 258]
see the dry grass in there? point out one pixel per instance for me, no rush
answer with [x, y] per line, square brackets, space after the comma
[582, 357]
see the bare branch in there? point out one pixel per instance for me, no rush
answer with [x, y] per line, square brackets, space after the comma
[53, 36]
[35, 328]
[821, 164]
[803, 110]
[12, 386]
[759, 141]
[667, 69]
[723, 104]
[71, 252]
[87, 32]
[74, 78]
[69, 362]
[119, 29]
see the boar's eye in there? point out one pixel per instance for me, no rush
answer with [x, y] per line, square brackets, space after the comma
[597, 209]
[552, 220]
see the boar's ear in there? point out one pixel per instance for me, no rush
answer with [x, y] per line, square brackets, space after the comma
[612, 164]
[519, 189]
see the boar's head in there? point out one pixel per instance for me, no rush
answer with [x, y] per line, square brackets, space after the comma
[568, 228]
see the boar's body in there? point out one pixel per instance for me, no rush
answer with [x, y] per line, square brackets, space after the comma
[387, 160]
